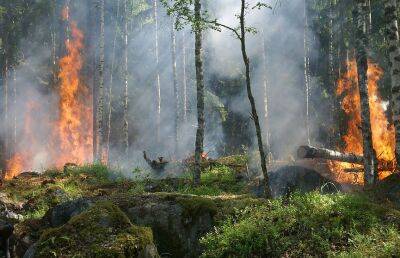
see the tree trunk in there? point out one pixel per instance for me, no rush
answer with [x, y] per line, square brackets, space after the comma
[110, 92]
[184, 78]
[306, 77]
[362, 43]
[14, 85]
[126, 97]
[331, 77]
[266, 101]
[392, 33]
[246, 61]
[6, 124]
[157, 83]
[100, 96]
[310, 152]
[175, 81]
[200, 94]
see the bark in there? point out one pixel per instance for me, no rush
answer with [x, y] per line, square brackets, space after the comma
[254, 113]
[306, 77]
[310, 152]
[126, 97]
[14, 88]
[157, 83]
[175, 81]
[331, 76]
[6, 124]
[110, 91]
[184, 78]
[394, 56]
[200, 94]
[100, 96]
[362, 43]
[266, 101]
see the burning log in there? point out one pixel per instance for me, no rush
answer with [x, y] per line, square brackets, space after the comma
[310, 152]
[157, 165]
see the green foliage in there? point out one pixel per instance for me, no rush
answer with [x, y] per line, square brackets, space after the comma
[310, 225]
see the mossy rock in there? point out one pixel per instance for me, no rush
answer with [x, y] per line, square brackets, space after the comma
[101, 231]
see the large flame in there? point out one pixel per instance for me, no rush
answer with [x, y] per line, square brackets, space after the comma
[383, 134]
[70, 140]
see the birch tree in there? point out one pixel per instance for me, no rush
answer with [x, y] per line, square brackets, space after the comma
[175, 82]
[362, 44]
[100, 96]
[392, 32]
[157, 82]
[126, 97]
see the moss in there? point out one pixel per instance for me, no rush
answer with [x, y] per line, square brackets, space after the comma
[102, 231]
[195, 206]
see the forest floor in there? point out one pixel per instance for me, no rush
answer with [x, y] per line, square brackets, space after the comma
[91, 211]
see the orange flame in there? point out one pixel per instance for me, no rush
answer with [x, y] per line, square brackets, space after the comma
[383, 134]
[70, 140]
[74, 127]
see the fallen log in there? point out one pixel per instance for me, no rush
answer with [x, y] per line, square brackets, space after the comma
[310, 152]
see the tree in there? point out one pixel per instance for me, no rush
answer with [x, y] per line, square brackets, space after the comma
[175, 81]
[241, 35]
[157, 82]
[199, 146]
[392, 32]
[100, 95]
[125, 130]
[362, 43]
[266, 101]
[182, 9]
[306, 74]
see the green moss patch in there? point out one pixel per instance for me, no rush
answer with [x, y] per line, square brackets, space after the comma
[102, 231]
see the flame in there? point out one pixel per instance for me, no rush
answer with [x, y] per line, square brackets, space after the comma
[71, 134]
[74, 127]
[383, 134]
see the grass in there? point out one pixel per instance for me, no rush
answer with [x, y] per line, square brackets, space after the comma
[310, 225]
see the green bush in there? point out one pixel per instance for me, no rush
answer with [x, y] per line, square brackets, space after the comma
[309, 225]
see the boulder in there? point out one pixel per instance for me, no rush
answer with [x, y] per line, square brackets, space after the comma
[63, 212]
[177, 221]
[289, 179]
[101, 231]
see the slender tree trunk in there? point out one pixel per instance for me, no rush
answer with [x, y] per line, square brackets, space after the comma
[93, 71]
[184, 78]
[392, 33]
[175, 81]
[126, 97]
[157, 82]
[110, 93]
[200, 95]
[362, 44]
[100, 96]
[306, 77]
[246, 60]
[266, 101]
[14, 85]
[6, 124]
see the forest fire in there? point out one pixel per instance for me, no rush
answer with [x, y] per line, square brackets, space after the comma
[383, 134]
[70, 137]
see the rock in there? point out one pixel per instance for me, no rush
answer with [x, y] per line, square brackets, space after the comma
[288, 179]
[101, 231]
[295, 178]
[177, 221]
[6, 231]
[28, 174]
[63, 212]
[30, 253]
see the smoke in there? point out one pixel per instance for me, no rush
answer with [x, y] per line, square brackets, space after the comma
[281, 28]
